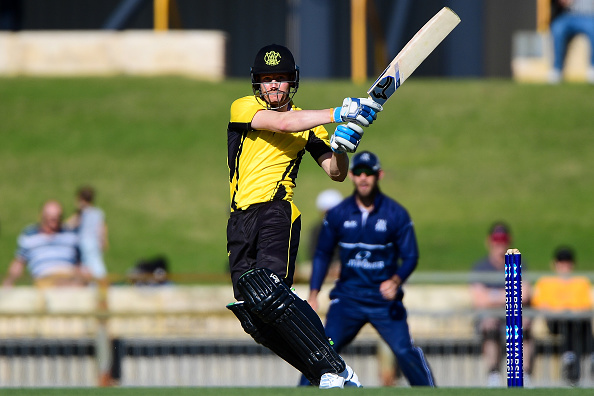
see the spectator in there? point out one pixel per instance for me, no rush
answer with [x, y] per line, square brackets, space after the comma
[488, 294]
[89, 220]
[49, 251]
[378, 252]
[567, 293]
[571, 17]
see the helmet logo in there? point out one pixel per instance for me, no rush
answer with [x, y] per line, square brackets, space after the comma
[272, 58]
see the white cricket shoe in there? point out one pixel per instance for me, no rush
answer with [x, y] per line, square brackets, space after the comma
[331, 380]
[346, 378]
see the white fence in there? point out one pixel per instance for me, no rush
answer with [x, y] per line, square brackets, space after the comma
[183, 336]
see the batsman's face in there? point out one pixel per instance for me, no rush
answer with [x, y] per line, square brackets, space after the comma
[275, 88]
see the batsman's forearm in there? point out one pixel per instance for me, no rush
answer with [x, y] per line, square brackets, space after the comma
[339, 166]
[297, 121]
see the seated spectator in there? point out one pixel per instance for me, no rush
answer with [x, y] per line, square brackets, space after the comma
[571, 17]
[49, 251]
[566, 292]
[488, 295]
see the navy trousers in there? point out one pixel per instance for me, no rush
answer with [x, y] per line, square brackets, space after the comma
[347, 316]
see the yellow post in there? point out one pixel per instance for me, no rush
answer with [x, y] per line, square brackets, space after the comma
[380, 49]
[358, 41]
[543, 15]
[161, 14]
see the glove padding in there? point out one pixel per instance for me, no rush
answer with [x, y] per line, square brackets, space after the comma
[362, 111]
[346, 138]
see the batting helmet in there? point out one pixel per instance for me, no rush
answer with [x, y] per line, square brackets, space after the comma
[273, 59]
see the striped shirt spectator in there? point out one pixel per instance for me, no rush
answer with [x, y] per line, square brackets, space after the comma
[48, 254]
[49, 251]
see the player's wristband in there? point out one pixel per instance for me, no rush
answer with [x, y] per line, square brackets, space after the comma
[335, 114]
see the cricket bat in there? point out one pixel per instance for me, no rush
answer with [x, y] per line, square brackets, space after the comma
[413, 53]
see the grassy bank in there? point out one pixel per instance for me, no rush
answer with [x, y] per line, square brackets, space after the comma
[457, 154]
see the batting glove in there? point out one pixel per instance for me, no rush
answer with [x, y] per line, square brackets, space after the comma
[362, 111]
[346, 138]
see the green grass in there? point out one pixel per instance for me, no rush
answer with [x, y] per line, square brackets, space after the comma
[458, 154]
[293, 391]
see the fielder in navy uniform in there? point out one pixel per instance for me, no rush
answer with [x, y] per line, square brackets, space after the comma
[267, 137]
[378, 252]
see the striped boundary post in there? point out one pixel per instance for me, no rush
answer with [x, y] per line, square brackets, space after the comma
[513, 319]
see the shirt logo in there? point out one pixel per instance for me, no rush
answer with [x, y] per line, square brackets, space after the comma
[350, 224]
[363, 255]
[381, 225]
[361, 261]
[272, 58]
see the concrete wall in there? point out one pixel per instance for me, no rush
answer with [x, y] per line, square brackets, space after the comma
[199, 54]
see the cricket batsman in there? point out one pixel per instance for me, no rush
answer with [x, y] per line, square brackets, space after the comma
[267, 137]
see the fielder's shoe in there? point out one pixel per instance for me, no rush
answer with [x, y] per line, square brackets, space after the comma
[494, 379]
[346, 378]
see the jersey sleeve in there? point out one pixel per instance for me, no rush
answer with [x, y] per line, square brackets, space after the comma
[244, 109]
[406, 241]
[318, 143]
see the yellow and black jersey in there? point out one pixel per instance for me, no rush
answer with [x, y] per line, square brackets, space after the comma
[263, 165]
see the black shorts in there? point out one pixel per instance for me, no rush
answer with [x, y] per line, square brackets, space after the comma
[265, 235]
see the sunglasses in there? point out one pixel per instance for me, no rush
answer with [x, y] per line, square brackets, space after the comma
[367, 171]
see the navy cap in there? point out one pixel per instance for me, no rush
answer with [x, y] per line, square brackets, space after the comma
[365, 159]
